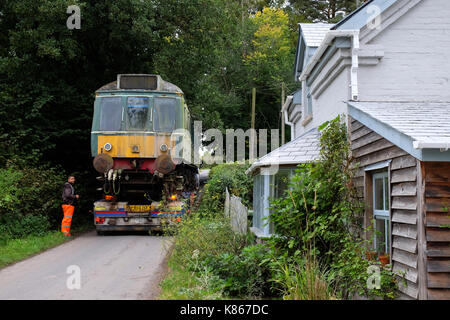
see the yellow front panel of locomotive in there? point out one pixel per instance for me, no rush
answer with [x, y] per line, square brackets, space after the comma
[133, 146]
[127, 146]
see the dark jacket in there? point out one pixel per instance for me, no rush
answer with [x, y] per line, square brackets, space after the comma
[68, 194]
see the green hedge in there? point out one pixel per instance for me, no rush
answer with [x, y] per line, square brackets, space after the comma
[231, 176]
[30, 200]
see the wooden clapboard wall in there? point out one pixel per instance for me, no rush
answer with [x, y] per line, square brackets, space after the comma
[369, 148]
[436, 184]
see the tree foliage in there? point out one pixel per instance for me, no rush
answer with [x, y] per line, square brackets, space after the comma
[215, 50]
[48, 73]
[322, 10]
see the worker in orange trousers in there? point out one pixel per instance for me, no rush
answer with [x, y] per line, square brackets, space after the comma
[69, 197]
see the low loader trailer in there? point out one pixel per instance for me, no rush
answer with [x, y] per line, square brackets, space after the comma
[122, 216]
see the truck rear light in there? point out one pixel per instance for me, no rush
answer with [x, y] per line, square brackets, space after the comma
[100, 220]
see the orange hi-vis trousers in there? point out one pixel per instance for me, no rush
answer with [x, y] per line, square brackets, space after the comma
[67, 220]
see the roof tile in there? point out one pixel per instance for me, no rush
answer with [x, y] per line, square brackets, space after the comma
[305, 148]
[314, 33]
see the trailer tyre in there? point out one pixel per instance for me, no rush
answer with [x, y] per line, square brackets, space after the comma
[100, 233]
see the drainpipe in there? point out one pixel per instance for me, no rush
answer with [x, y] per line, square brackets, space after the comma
[355, 65]
[329, 38]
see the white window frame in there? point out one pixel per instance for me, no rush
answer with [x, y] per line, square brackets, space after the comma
[382, 214]
[260, 228]
[266, 182]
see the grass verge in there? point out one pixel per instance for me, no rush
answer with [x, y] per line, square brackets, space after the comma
[14, 250]
[17, 249]
[181, 284]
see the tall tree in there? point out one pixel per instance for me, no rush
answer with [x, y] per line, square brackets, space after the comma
[270, 62]
[322, 10]
[201, 54]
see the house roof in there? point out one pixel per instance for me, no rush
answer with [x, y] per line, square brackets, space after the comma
[420, 128]
[358, 18]
[310, 36]
[305, 148]
[313, 33]
[349, 26]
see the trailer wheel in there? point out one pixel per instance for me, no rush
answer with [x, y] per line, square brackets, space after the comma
[100, 233]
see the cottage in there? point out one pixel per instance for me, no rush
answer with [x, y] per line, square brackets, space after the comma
[387, 67]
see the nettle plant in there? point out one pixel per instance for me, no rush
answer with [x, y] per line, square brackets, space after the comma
[320, 215]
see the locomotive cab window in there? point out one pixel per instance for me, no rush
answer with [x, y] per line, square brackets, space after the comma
[165, 114]
[110, 114]
[138, 115]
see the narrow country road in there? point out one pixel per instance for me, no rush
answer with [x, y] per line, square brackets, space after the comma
[109, 267]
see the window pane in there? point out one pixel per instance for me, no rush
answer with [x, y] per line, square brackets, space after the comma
[378, 190]
[281, 183]
[110, 114]
[137, 111]
[380, 236]
[165, 114]
[386, 193]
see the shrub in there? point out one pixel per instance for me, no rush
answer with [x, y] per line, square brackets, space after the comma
[231, 176]
[14, 226]
[29, 200]
[8, 190]
[353, 270]
[247, 274]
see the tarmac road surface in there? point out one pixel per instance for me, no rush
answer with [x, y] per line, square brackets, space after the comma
[117, 266]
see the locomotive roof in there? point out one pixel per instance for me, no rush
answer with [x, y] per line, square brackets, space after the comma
[163, 85]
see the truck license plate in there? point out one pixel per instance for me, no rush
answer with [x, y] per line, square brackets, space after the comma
[139, 208]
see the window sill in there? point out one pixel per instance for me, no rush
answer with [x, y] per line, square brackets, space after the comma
[307, 120]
